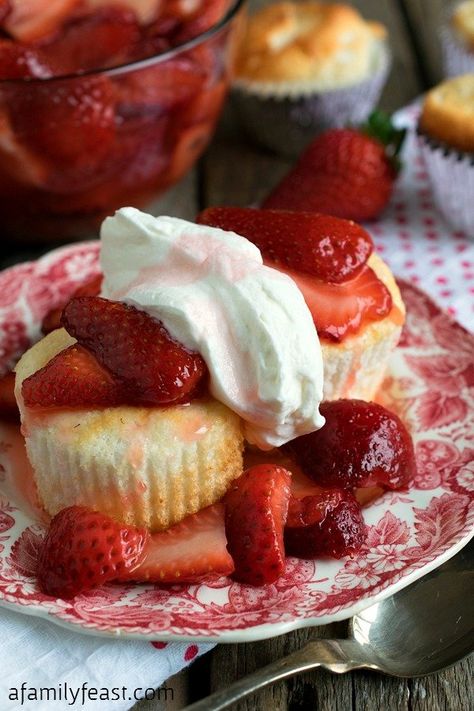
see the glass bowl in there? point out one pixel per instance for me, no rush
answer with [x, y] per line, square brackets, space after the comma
[75, 148]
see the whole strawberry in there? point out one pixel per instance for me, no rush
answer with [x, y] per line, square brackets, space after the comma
[345, 172]
[84, 549]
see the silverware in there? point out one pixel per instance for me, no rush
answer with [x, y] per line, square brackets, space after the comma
[420, 630]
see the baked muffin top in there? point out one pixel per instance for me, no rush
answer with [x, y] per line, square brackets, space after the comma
[330, 45]
[462, 21]
[448, 113]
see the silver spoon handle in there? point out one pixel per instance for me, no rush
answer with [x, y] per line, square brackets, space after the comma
[339, 656]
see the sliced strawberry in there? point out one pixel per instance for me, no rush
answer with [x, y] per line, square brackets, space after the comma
[207, 104]
[5, 9]
[326, 247]
[148, 45]
[341, 309]
[142, 154]
[31, 20]
[203, 16]
[191, 550]
[84, 549]
[165, 26]
[162, 87]
[73, 130]
[95, 40]
[8, 406]
[136, 348]
[52, 320]
[145, 10]
[326, 524]
[256, 507]
[18, 163]
[362, 444]
[73, 378]
[19, 62]
[91, 287]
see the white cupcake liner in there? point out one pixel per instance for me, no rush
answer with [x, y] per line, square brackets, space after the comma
[451, 175]
[287, 124]
[457, 59]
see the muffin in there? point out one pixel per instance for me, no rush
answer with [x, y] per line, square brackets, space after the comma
[446, 130]
[457, 39]
[145, 466]
[305, 67]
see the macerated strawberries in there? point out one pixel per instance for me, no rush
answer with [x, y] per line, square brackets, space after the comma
[136, 349]
[73, 378]
[256, 507]
[328, 523]
[362, 444]
[8, 406]
[341, 309]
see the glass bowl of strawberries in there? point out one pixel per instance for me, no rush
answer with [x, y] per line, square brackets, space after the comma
[104, 105]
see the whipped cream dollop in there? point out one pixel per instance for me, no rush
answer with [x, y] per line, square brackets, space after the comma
[213, 293]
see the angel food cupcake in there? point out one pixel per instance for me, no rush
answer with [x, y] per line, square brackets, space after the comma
[303, 67]
[446, 130]
[457, 37]
[145, 466]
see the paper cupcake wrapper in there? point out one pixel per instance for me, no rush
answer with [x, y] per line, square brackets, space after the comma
[452, 180]
[287, 125]
[456, 58]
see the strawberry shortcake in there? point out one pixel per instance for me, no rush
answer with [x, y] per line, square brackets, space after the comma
[207, 338]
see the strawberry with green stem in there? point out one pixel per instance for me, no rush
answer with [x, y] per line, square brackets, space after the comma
[344, 172]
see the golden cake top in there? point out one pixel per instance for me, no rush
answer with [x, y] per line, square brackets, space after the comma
[329, 44]
[462, 21]
[448, 113]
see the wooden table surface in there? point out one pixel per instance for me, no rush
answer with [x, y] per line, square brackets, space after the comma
[235, 172]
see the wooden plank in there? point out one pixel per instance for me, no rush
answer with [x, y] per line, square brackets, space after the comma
[236, 172]
[374, 692]
[425, 18]
[451, 690]
[316, 690]
[180, 201]
[405, 80]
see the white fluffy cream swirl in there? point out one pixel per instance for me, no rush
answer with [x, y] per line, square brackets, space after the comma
[249, 322]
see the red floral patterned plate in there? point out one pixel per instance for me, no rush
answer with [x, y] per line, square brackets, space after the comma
[430, 383]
